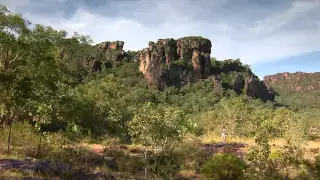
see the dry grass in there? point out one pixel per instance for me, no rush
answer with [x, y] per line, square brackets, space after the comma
[312, 148]
[214, 138]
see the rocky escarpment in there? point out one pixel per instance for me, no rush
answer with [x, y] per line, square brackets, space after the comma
[170, 62]
[176, 62]
[299, 90]
[257, 89]
[294, 82]
[253, 87]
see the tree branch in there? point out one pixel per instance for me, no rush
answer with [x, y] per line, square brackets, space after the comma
[16, 57]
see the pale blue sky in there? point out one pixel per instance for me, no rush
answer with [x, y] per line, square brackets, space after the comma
[309, 62]
[270, 35]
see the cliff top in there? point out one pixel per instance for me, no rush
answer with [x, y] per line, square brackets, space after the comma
[296, 82]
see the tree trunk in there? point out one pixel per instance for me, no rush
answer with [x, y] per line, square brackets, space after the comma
[145, 157]
[39, 146]
[156, 165]
[9, 120]
[9, 137]
[2, 120]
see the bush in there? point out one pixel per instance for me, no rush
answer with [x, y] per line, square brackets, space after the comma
[224, 167]
[192, 154]
[167, 165]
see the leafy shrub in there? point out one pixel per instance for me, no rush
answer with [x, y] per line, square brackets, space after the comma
[168, 165]
[192, 154]
[159, 127]
[223, 167]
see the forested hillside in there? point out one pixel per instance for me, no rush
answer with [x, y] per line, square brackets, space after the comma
[299, 90]
[157, 113]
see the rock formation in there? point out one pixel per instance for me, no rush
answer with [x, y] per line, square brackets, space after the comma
[239, 84]
[217, 81]
[258, 89]
[106, 54]
[113, 51]
[253, 87]
[176, 62]
[116, 45]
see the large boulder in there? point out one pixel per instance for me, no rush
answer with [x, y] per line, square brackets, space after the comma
[176, 62]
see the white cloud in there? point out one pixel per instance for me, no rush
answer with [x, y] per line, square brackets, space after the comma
[240, 34]
[280, 19]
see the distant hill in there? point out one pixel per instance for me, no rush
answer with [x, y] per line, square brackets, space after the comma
[299, 90]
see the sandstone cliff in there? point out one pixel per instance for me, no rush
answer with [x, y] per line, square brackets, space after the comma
[170, 62]
[116, 45]
[253, 87]
[113, 51]
[176, 62]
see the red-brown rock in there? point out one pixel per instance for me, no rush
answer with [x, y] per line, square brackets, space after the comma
[157, 61]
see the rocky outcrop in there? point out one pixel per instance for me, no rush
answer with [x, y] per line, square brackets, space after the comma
[170, 62]
[217, 82]
[198, 50]
[253, 87]
[116, 45]
[257, 89]
[239, 84]
[91, 63]
[176, 62]
[113, 51]
[107, 54]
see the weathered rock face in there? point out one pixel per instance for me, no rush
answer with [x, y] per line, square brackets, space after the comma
[91, 63]
[257, 89]
[198, 50]
[253, 87]
[113, 51]
[97, 66]
[175, 62]
[239, 84]
[116, 45]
